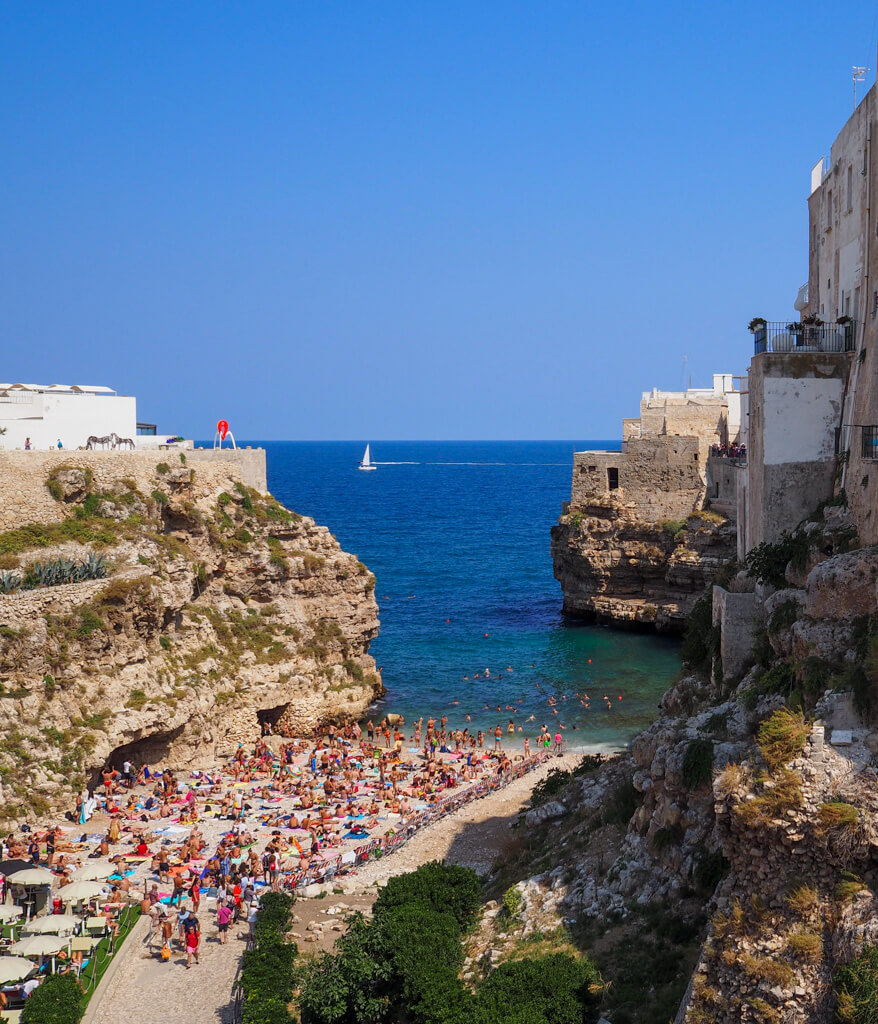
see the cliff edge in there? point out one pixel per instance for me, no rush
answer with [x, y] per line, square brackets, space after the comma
[163, 612]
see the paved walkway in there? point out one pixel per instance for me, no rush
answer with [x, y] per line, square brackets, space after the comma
[145, 990]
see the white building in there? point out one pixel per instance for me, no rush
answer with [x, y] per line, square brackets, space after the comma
[71, 413]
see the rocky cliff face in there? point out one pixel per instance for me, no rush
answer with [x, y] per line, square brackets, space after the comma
[221, 608]
[735, 841]
[614, 567]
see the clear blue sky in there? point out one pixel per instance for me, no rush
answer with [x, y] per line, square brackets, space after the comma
[407, 220]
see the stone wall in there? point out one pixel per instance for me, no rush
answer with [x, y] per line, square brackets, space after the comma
[24, 497]
[735, 614]
[660, 477]
[249, 463]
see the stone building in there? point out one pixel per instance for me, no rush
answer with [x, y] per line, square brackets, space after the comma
[662, 470]
[842, 283]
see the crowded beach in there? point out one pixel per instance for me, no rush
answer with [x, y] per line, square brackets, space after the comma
[195, 849]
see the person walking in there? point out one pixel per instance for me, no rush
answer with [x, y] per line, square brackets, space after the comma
[224, 917]
[193, 939]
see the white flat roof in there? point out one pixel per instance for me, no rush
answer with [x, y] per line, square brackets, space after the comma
[91, 389]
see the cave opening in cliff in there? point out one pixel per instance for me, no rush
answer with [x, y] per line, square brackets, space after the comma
[152, 751]
[270, 717]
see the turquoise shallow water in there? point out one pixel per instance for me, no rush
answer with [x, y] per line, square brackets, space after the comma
[457, 534]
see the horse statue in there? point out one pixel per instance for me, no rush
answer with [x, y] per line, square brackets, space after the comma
[125, 442]
[94, 442]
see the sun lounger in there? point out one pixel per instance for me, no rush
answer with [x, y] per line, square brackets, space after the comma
[96, 926]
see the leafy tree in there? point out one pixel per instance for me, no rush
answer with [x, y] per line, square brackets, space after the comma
[446, 888]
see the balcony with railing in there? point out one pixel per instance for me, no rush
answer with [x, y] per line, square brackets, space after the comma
[769, 336]
[870, 442]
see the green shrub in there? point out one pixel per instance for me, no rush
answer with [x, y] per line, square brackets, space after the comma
[446, 888]
[784, 615]
[246, 498]
[163, 468]
[767, 562]
[700, 636]
[621, 805]
[160, 498]
[267, 969]
[555, 989]
[697, 766]
[513, 901]
[58, 1000]
[781, 737]
[89, 622]
[674, 527]
[856, 988]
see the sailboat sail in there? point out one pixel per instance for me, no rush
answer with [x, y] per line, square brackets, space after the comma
[366, 462]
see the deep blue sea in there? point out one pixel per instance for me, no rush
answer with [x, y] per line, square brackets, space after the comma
[457, 534]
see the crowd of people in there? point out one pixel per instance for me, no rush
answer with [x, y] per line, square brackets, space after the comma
[729, 451]
[280, 814]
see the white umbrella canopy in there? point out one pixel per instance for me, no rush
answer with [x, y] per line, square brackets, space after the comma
[31, 876]
[93, 872]
[39, 945]
[10, 912]
[14, 968]
[51, 924]
[80, 891]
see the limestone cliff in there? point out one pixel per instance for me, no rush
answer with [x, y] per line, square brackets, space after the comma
[615, 567]
[736, 837]
[220, 608]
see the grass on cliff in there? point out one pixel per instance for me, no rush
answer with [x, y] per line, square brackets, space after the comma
[781, 737]
[856, 989]
[92, 530]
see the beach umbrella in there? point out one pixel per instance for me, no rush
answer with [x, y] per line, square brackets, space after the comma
[51, 924]
[39, 945]
[80, 891]
[14, 968]
[31, 876]
[92, 872]
[8, 866]
[9, 912]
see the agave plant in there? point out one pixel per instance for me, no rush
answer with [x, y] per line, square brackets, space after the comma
[9, 582]
[96, 567]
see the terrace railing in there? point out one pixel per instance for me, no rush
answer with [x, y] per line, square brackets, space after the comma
[798, 337]
[870, 442]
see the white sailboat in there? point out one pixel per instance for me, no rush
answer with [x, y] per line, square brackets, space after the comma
[366, 462]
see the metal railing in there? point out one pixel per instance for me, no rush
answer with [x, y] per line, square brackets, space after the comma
[798, 337]
[870, 442]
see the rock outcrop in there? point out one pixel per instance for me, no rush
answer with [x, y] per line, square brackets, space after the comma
[221, 610]
[615, 567]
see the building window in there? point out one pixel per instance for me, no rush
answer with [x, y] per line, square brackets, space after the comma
[146, 429]
[612, 479]
[829, 210]
[592, 469]
[850, 189]
[870, 442]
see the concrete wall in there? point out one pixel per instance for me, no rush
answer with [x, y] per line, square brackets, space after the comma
[45, 418]
[735, 615]
[795, 402]
[250, 463]
[722, 485]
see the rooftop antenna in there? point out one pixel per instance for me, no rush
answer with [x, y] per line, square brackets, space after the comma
[685, 361]
[859, 75]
